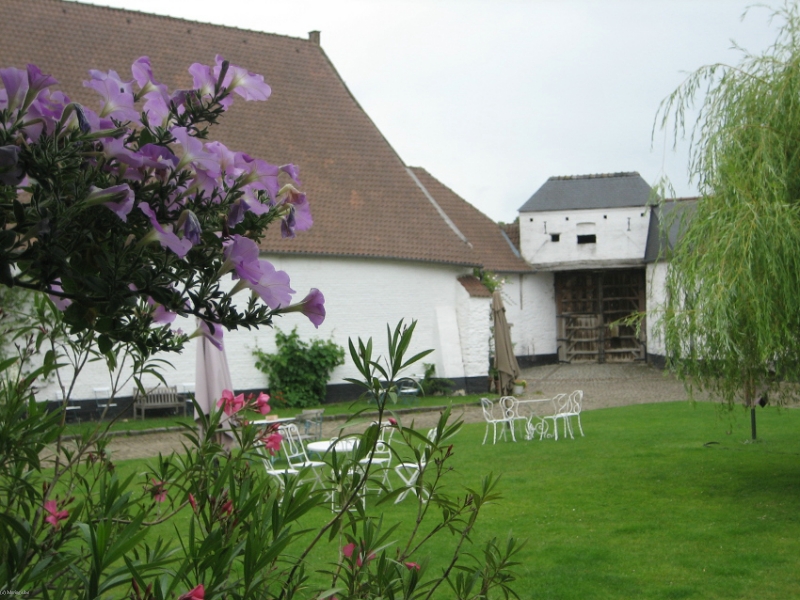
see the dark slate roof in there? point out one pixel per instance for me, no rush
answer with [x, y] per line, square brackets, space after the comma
[363, 200]
[666, 221]
[486, 238]
[577, 192]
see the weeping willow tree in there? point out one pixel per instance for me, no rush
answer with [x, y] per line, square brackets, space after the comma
[731, 319]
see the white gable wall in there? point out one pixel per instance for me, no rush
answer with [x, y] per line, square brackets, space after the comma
[621, 235]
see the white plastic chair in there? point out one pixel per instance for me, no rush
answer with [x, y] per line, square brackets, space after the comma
[510, 408]
[491, 416]
[409, 472]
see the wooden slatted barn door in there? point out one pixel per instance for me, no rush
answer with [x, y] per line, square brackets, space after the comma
[588, 306]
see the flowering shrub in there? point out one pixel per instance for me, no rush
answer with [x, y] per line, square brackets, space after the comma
[125, 217]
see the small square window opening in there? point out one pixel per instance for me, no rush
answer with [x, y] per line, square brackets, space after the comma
[555, 237]
[587, 239]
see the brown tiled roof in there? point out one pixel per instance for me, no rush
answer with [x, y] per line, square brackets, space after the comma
[487, 239]
[512, 231]
[474, 286]
[363, 200]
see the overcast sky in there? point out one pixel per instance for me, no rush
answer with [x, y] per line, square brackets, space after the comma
[493, 97]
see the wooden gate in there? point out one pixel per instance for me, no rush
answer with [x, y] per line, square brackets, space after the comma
[589, 306]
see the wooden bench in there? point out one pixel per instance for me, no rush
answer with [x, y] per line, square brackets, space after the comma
[160, 397]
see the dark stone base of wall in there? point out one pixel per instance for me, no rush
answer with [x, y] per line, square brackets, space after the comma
[537, 360]
[80, 411]
[657, 360]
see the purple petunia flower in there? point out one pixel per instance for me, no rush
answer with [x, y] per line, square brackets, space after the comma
[249, 86]
[260, 175]
[119, 199]
[191, 227]
[167, 239]
[194, 154]
[214, 337]
[312, 306]
[15, 82]
[116, 95]
[298, 212]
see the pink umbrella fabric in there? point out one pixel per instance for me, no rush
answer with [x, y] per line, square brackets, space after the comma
[212, 376]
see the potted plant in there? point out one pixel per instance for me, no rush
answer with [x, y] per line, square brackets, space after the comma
[519, 386]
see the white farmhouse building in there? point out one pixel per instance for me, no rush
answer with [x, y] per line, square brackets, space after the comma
[389, 242]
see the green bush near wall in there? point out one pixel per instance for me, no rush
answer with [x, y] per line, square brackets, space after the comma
[299, 371]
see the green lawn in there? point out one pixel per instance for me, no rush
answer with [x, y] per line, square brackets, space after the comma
[657, 501]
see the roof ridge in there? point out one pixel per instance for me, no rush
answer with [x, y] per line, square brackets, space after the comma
[595, 176]
[171, 18]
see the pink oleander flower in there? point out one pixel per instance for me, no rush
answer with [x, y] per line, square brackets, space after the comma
[193, 502]
[54, 516]
[272, 442]
[312, 306]
[348, 552]
[227, 508]
[196, 593]
[159, 490]
[413, 565]
[262, 403]
[229, 403]
[392, 421]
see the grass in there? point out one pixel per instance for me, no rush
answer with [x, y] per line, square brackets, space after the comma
[657, 501]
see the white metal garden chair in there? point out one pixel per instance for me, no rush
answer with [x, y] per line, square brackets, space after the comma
[574, 410]
[295, 454]
[561, 404]
[510, 407]
[494, 416]
[409, 472]
[382, 456]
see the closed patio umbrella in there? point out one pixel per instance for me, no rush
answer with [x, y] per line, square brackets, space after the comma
[504, 360]
[212, 376]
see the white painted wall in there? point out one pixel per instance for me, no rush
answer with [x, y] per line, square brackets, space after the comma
[656, 296]
[474, 324]
[531, 310]
[361, 297]
[621, 237]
